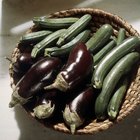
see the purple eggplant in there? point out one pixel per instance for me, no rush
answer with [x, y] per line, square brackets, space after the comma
[78, 67]
[42, 73]
[48, 104]
[21, 65]
[79, 109]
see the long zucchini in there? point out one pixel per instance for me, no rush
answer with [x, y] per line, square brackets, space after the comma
[100, 38]
[123, 66]
[54, 23]
[74, 29]
[111, 58]
[35, 36]
[117, 99]
[98, 56]
[47, 42]
[65, 49]
[121, 36]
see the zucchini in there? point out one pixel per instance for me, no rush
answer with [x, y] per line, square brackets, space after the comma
[54, 23]
[65, 49]
[111, 58]
[34, 36]
[100, 38]
[123, 66]
[117, 99]
[98, 56]
[74, 29]
[121, 36]
[47, 42]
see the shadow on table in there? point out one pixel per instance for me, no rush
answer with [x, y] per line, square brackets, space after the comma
[30, 129]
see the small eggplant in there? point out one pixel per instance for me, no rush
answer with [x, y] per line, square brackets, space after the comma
[48, 104]
[79, 109]
[78, 67]
[39, 75]
[23, 62]
[21, 65]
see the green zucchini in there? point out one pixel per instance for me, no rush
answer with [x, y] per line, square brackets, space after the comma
[98, 56]
[65, 49]
[74, 29]
[34, 36]
[100, 38]
[47, 42]
[122, 67]
[111, 58]
[121, 36]
[54, 23]
[117, 98]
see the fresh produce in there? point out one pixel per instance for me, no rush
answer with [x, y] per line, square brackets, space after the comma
[121, 36]
[34, 36]
[107, 48]
[113, 56]
[122, 67]
[74, 29]
[69, 72]
[47, 42]
[65, 49]
[39, 75]
[79, 108]
[54, 23]
[74, 73]
[48, 104]
[118, 98]
[100, 38]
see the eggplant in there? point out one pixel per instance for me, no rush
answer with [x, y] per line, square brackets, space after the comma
[80, 108]
[77, 68]
[48, 104]
[23, 62]
[42, 73]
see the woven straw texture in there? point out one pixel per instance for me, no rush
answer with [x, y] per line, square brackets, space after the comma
[132, 98]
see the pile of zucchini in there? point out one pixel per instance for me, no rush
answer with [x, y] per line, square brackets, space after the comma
[90, 81]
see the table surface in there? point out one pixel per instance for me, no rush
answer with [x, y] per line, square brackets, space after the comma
[15, 19]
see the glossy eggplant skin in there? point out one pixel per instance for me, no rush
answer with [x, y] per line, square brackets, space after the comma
[83, 103]
[78, 66]
[23, 62]
[40, 74]
[51, 95]
[49, 105]
[54, 96]
[80, 109]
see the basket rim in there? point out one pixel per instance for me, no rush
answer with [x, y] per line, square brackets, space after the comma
[112, 17]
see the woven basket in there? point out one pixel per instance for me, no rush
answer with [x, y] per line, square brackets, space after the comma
[132, 98]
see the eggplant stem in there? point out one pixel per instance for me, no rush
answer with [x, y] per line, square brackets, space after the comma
[44, 111]
[72, 128]
[17, 99]
[59, 84]
[72, 119]
[13, 102]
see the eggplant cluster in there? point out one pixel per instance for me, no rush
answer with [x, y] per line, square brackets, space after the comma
[54, 86]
